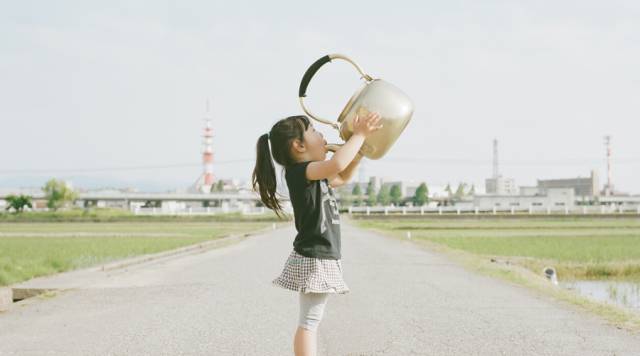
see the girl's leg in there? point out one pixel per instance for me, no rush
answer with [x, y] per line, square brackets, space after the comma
[311, 312]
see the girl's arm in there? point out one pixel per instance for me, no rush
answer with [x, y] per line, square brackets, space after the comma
[318, 170]
[362, 128]
[346, 175]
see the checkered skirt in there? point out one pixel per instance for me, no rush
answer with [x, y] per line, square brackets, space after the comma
[311, 275]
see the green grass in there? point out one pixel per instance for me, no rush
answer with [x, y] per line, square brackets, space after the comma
[577, 248]
[36, 249]
[119, 215]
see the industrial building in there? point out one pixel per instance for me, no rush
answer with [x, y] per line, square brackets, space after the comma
[549, 193]
[583, 187]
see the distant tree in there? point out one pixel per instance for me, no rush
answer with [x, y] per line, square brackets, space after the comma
[460, 190]
[384, 197]
[346, 200]
[421, 195]
[448, 190]
[396, 194]
[372, 199]
[18, 202]
[58, 194]
[220, 186]
[357, 193]
[472, 191]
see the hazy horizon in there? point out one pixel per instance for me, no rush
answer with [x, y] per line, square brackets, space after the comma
[116, 93]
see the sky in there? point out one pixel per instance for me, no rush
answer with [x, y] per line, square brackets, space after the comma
[114, 93]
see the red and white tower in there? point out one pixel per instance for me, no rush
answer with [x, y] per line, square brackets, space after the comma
[207, 154]
[205, 181]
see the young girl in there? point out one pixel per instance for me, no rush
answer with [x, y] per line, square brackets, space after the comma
[313, 267]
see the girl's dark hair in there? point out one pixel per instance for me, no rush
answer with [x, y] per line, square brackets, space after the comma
[281, 135]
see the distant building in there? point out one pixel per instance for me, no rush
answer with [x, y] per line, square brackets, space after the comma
[552, 193]
[552, 197]
[583, 187]
[529, 191]
[501, 186]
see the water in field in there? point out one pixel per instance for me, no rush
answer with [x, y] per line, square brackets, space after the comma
[625, 294]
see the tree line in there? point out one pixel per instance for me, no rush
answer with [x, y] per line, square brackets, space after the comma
[57, 193]
[392, 194]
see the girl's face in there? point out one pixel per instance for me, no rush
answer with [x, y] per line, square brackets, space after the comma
[314, 144]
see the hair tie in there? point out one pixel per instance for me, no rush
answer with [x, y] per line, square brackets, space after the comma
[269, 141]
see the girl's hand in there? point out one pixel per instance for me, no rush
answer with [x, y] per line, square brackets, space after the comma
[368, 125]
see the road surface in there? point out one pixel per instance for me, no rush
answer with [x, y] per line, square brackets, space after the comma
[403, 301]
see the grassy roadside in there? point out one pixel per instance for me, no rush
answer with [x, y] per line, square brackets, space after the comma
[578, 249]
[35, 249]
[119, 215]
[437, 236]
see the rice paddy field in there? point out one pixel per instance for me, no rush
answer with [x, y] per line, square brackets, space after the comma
[578, 248]
[32, 249]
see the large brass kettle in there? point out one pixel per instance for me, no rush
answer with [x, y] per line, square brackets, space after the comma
[376, 95]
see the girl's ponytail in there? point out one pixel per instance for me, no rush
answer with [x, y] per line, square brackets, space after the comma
[264, 176]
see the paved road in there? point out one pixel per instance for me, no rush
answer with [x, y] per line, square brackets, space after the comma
[403, 301]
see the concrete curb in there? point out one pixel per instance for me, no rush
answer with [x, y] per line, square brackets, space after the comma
[6, 298]
[198, 247]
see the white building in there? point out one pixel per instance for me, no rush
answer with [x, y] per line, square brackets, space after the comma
[501, 186]
[554, 198]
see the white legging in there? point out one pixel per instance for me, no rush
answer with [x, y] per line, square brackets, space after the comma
[311, 309]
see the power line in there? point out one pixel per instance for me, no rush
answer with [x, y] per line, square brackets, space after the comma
[486, 162]
[112, 169]
[392, 160]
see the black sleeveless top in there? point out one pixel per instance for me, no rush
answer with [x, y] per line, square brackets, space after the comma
[316, 214]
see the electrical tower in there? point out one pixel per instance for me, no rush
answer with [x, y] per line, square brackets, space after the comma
[496, 173]
[608, 189]
[205, 181]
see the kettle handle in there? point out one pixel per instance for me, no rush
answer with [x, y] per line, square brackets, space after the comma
[311, 71]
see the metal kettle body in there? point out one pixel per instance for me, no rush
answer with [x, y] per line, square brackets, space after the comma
[376, 95]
